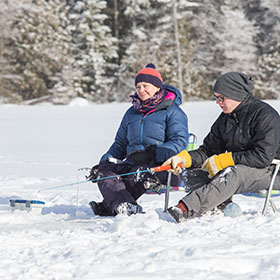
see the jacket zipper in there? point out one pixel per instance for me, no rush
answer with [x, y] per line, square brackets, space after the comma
[141, 130]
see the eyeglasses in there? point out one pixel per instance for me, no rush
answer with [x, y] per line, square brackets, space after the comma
[220, 99]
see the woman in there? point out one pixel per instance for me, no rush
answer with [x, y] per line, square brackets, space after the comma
[153, 129]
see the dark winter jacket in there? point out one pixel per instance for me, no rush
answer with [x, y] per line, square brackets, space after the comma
[251, 132]
[167, 127]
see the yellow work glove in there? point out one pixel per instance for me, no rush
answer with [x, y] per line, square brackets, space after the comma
[183, 157]
[218, 162]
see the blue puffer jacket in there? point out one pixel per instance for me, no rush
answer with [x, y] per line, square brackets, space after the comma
[167, 127]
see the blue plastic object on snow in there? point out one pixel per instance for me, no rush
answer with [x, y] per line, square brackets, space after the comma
[27, 205]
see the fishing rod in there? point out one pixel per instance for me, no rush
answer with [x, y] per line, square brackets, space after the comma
[151, 170]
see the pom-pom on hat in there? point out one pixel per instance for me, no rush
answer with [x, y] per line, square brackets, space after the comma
[149, 74]
[234, 85]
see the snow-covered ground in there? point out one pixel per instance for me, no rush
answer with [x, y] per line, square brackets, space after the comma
[44, 146]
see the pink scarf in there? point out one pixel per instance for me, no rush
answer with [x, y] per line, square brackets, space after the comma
[145, 107]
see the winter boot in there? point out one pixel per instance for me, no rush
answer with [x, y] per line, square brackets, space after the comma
[221, 207]
[179, 212]
[99, 209]
[152, 185]
[128, 209]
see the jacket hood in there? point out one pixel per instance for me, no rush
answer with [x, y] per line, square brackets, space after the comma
[178, 100]
[244, 104]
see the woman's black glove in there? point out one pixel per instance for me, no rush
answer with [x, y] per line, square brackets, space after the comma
[93, 173]
[148, 156]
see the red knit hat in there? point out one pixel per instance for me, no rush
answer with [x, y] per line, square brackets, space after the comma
[149, 74]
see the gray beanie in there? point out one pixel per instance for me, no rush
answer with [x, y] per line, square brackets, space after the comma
[234, 85]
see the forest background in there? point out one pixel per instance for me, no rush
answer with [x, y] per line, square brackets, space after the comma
[58, 50]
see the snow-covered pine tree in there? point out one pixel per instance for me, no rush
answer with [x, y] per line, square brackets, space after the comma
[223, 40]
[94, 51]
[7, 94]
[175, 46]
[265, 16]
[137, 19]
[268, 86]
[39, 48]
[185, 11]
[239, 48]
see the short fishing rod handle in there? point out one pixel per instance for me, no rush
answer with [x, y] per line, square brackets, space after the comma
[164, 168]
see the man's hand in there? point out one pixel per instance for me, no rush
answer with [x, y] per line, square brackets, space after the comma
[218, 162]
[183, 157]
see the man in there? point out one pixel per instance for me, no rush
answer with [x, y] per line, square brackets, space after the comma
[237, 152]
